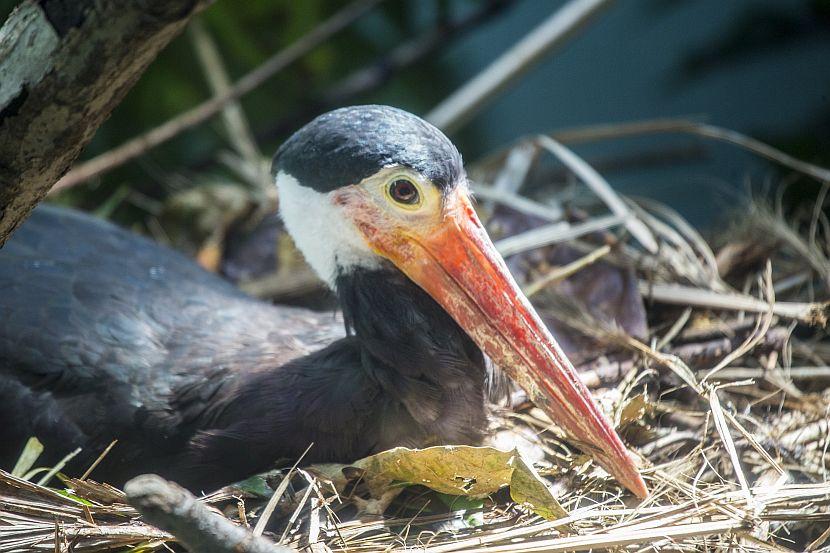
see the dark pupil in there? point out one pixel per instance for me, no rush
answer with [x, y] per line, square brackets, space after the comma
[404, 192]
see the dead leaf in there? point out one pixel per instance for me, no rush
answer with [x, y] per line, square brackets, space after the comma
[458, 470]
[634, 409]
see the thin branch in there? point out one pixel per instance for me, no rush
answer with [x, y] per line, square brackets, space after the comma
[277, 495]
[173, 509]
[216, 74]
[677, 294]
[522, 204]
[685, 126]
[601, 188]
[561, 273]
[813, 374]
[551, 234]
[612, 131]
[465, 102]
[762, 326]
[98, 460]
[204, 111]
[410, 52]
[383, 68]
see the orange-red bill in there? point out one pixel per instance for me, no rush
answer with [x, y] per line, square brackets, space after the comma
[457, 264]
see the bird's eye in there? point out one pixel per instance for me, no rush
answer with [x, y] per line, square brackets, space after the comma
[404, 191]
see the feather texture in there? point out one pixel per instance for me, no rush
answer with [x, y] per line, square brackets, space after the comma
[105, 335]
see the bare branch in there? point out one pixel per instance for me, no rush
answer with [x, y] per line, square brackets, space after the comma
[236, 125]
[461, 105]
[601, 188]
[204, 111]
[685, 126]
[678, 294]
[173, 509]
[554, 233]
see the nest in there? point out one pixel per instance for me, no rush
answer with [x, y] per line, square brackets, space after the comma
[710, 357]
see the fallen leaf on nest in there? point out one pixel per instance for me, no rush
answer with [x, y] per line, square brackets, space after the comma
[634, 410]
[456, 470]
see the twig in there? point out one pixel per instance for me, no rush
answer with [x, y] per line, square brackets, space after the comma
[729, 444]
[173, 509]
[551, 234]
[755, 337]
[98, 460]
[699, 354]
[293, 518]
[383, 68]
[519, 203]
[601, 188]
[461, 105]
[677, 294]
[565, 271]
[685, 126]
[410, 52]
[275, 497]
[603, 372]
[616, 539]
[694, 242]
[513, 173]
[236, 124]
[204, 111]
[675, 329]
[814, 374]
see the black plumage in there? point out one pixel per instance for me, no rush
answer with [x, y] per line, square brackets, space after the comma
[105, 335]
[357, 141]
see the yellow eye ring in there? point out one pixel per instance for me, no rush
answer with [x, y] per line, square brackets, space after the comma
[404, 192]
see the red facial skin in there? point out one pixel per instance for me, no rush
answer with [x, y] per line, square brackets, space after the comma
[451, 257]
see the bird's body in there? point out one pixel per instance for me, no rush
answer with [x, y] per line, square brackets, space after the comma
[105, 335]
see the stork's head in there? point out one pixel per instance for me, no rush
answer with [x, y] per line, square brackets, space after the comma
[374, 186]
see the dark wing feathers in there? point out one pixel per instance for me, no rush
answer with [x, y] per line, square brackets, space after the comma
[106, 335]
[98, 324]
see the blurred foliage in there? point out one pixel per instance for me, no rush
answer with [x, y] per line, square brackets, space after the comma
[247, 33]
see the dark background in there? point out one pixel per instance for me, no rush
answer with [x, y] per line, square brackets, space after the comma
[759, 67]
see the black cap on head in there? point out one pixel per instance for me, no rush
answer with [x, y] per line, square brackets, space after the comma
[344, 146]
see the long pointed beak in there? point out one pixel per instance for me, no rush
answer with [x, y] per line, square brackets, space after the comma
[457, 264]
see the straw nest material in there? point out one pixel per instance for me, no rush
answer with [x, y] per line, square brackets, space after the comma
[710, 356]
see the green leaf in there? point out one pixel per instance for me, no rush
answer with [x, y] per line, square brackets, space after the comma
[31, 451]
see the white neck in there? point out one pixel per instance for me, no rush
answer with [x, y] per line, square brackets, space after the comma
[329, 242]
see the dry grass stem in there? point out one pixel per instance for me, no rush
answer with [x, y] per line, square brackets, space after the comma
[710, 356]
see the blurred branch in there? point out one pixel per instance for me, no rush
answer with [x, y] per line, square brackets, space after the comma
[411, 52]
[460, 106]
[216, 74]
[204, 111]
[519, 203]
[812, 374]
[685, 126]
[64, 67]
[383, 69]
[173, 509]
